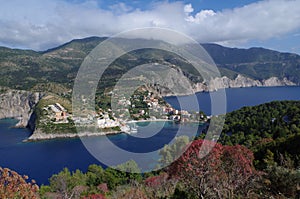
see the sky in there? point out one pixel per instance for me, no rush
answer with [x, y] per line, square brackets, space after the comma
[44, 24]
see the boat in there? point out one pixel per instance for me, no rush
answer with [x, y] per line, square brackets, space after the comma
[133, 129]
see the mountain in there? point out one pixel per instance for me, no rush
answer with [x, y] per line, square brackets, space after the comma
[256, 63]
[57, 67]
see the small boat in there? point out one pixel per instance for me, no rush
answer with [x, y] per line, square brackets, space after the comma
[133, 129]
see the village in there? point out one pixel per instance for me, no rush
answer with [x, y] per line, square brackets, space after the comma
[142, 106]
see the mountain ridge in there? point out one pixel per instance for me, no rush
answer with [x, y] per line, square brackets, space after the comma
[26, 69]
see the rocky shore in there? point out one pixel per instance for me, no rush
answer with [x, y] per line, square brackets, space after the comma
[38, 136]
[19, 104]
[224, 82]
[240, 82]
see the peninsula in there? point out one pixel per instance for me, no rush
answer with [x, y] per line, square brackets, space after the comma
[41, 99]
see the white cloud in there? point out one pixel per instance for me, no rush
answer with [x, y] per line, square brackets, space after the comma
[201, 16]
[188, 8]
[43, 24]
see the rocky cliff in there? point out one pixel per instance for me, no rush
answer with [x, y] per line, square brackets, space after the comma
[20, 105]
[240, 82]
[167, 86]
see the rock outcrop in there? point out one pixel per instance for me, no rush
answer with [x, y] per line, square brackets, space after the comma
[176, 83]
[20, 105]
[240, 82]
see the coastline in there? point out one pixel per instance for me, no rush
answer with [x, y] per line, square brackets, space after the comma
[44, 136]
[153, 120]
[37, 136]
[40, 136]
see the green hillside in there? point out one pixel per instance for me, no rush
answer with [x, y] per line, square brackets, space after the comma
[25, 69]
[271, 129]
[256, 63]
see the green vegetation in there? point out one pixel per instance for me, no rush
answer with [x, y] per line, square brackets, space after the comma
[272, 132]
[226, 172]
[139, 108]
[171, 152]
[95, 180]
[44, 115]
[271, 129]
[256, 63]
[53, 88]
[25, 69]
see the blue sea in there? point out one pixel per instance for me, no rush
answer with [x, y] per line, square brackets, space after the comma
[40, 160]
[237, 98]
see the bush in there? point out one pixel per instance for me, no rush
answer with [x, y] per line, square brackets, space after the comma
[210, 170]
[284, 181]
[12, 185]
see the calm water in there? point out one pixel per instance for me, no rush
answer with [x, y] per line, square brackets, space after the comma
[40, 160]
[239, 97]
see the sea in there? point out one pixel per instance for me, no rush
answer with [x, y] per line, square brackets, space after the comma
[40, 160]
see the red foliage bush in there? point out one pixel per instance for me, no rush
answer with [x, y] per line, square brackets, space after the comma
[211, 167]
[155, 181]
[103, 187]
[192, 159]
[95, 196]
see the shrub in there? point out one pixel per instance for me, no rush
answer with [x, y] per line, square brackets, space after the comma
[13, 185]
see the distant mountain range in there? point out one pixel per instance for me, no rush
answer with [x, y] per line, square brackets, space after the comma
[31, 70]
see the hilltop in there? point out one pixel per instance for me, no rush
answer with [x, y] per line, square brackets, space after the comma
[29, 70]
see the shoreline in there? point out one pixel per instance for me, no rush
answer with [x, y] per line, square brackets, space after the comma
[153, 120]
[164, 120]
[44, 136]
[39, 136]
[218, 89]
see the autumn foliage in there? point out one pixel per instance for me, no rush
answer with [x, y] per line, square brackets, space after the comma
[12, 185]
[155, 181]
[211, 170]
[160, 186]
[94, 196]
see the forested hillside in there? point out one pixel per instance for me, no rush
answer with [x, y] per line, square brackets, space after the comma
[25, 69]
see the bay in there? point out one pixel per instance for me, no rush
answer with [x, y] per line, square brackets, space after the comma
[40, 160]
[237, 98]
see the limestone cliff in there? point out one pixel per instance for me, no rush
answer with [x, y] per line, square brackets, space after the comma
[19, 104]
[218, 83]
[239, 82]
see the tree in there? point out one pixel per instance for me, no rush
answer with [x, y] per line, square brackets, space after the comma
[94, 196]
[131, 171]
[160, 186]
[225, 171]
[171, 152]
[68, 185]
[12, 185]
[95, 175]
[284, 181]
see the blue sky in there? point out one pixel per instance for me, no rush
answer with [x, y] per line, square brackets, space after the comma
[217, 5]
[43, 24]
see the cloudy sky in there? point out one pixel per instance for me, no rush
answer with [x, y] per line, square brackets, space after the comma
[43, 24]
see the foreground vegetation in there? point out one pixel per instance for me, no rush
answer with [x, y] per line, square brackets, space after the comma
[226, 172]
